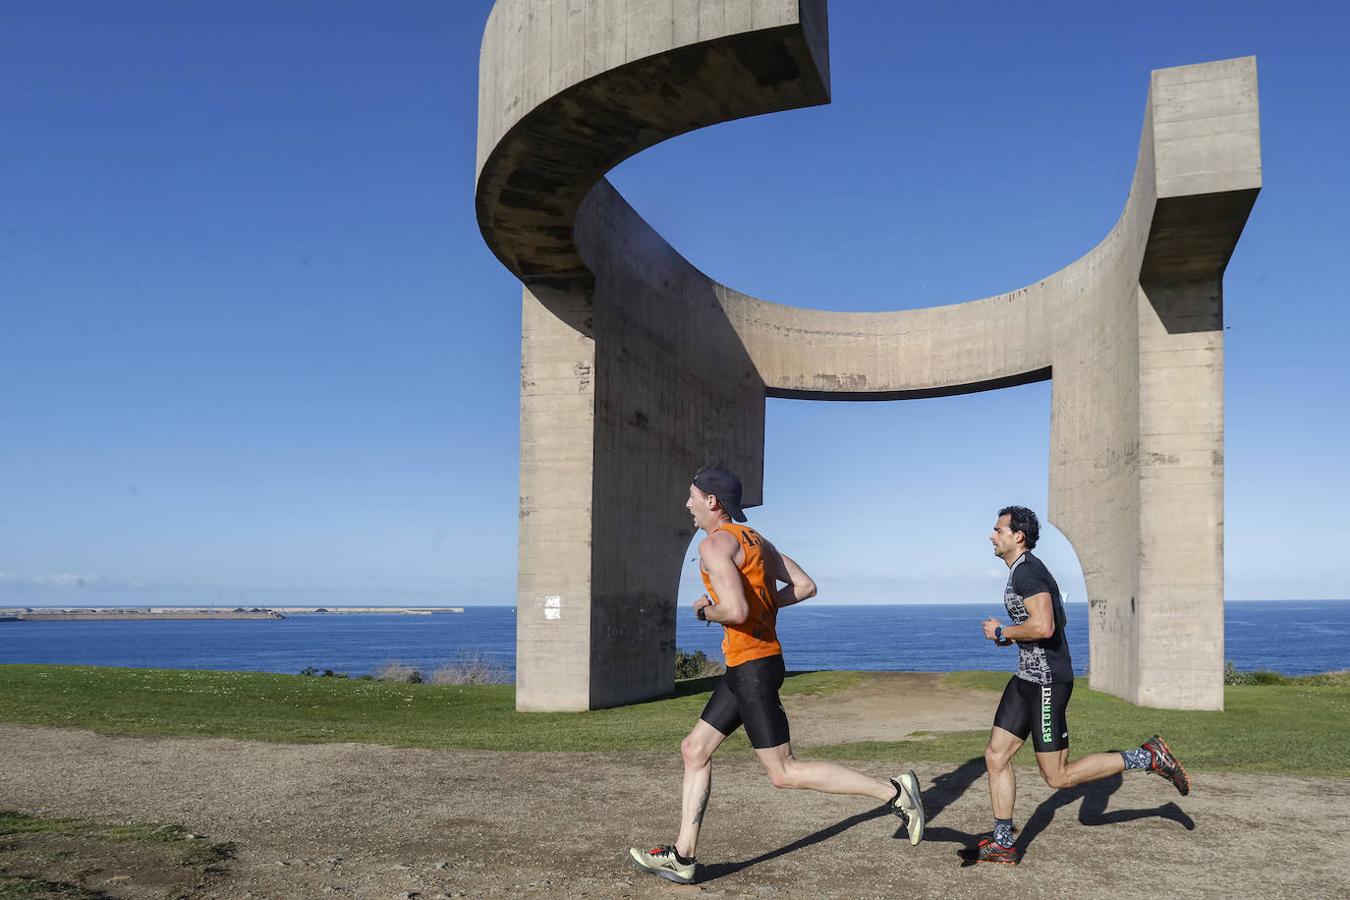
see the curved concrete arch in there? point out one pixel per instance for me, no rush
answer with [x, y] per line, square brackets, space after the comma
[637, 368]
[568, 89]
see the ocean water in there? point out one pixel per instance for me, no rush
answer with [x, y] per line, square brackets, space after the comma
[1293, 637]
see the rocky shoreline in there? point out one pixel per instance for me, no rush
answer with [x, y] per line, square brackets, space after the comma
[128, 615]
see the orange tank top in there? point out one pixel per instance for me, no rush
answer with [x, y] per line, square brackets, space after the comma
[757, 636]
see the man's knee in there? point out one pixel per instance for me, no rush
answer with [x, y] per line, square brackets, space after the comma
[997, 758]
[694, 753]
[1057, 778]
[782, 777]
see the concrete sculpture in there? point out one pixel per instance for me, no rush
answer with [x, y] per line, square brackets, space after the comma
[615, 416]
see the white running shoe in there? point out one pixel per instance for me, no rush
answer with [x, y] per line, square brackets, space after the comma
[908, 804]
[661, 861]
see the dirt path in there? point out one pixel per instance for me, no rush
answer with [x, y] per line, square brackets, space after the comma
[887, 706]
[346, 820]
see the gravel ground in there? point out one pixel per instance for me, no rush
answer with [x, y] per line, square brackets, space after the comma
[348, 820]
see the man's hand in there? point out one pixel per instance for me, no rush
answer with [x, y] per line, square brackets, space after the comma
[700, 605]
[990, 625]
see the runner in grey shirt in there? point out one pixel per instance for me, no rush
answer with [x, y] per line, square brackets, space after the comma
[1045, 660]
[1037, 698]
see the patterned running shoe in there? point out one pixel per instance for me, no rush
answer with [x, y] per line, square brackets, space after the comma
[1165, 764]
[661, 861]
[908, 804]
[991, 851]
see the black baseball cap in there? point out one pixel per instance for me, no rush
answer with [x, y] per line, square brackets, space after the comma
[722, 485]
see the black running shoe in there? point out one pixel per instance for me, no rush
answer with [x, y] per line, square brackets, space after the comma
[991, 851]
[1165, 764]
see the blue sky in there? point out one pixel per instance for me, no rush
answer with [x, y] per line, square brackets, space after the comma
[253, 348]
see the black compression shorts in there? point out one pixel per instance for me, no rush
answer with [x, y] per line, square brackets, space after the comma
[748, 694]
[1038, 710]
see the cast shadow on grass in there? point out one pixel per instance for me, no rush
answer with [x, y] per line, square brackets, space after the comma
[686, 686]
[1095, 796]
[945, 790]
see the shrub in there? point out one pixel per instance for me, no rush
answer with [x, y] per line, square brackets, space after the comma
[398, 673]
[1264, 676]
[1334, 678]
[315, 672]
[470, 667]
[695, 665]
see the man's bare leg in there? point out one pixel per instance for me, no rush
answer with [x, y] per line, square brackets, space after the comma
[697, 750]
[1059, 773]
[1003, 746]
[786, 771]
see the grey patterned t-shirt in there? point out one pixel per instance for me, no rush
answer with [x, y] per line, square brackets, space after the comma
[1043, 661]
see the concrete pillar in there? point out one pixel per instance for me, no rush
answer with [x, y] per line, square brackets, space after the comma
[557, 459]
[1207, 165]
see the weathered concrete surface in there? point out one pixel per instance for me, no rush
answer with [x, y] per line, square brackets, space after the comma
[637, 368]
[631, 375]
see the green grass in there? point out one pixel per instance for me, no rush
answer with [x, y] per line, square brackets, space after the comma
[184, 846]
[182, 842]
[175, 845]
[18, 887]
[296, 709]
[1296, 727]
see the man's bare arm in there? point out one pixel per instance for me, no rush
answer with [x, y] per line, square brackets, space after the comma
[717, 553]
[1039, 626]
[799, 585]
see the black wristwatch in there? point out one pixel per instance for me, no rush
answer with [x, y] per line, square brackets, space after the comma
[998, 634]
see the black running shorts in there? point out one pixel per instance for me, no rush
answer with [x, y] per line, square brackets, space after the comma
[1038, 710]
[748, 694]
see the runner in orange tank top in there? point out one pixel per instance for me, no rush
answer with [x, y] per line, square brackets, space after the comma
[757, 636]
[742, 572]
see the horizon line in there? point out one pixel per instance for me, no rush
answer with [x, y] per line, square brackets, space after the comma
[470, 603]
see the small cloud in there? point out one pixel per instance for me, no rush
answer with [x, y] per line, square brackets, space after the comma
[43, 583]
